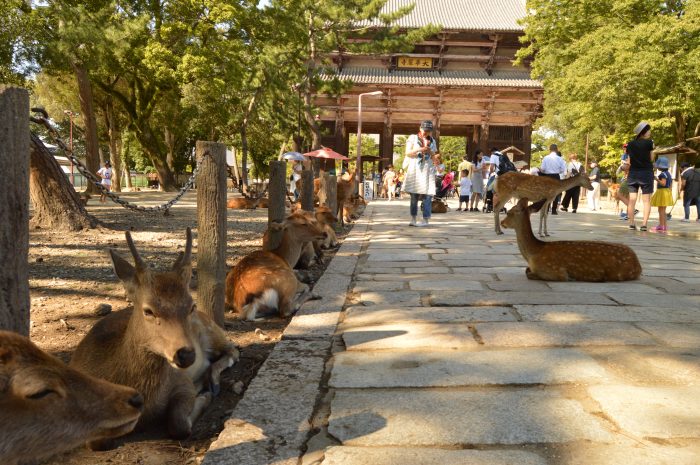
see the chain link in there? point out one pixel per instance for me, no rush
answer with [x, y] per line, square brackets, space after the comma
[165, 207]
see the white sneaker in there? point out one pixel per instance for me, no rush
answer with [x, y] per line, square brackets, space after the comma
[423, 224]
[413, 221]
[685, 221]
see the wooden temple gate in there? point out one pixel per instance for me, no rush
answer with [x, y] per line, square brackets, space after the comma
[463, 80]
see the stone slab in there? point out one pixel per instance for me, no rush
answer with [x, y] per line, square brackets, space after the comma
[271, 422]
[379, 286]
[638, 454]
[426, 456]
[603, 287]
[400, 264]
[398, 257]
[517, 285]
[433, 418]
[411, 298]
[533, 334]
[428, 269]
[650, 365]
[574, 313]
[655, 300]
[652, 412]
[675, 335]
[401, 276]
[458, 298]
[446, 285]
[364, 316]
[409, 336]
[390, 369]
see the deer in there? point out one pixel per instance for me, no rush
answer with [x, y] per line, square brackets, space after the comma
[346, 184]
[263, 283]
[326, 219]
[47, 407]
[514, 185]
[162, 346]
[613, 192]
[591, 261]
[243, 203]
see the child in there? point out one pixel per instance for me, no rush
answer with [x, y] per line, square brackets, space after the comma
[663, 197]
[106, 175]
[465, 188]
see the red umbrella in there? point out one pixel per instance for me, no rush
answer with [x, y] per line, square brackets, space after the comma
[326, 153]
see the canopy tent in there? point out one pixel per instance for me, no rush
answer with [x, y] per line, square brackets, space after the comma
[328, 154]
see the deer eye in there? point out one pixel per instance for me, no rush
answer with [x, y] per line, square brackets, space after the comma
[148, 313]
[41, 394]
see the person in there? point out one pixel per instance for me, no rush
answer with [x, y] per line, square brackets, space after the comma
[390, 182]
[553, 166]
[465, 188]
[465, 164]
[573, 168]
[382, 179]
[297, 168]
[399, 183]
[420, 172]
[439, 168]
[663, 197]
[641, 173]
[477, 179]
[593, 196]
[106, 174]
[690, 185]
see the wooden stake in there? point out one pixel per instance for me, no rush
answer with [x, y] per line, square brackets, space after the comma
[14, 210]
[332, 194]
[277, 192]
[211, 229]
[307, 190]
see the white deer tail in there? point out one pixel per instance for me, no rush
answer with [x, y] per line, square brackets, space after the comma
[266, 303]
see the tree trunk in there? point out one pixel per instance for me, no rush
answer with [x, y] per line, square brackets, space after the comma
[92, 155]
[55, 202]
[114, 137]
[153, 148]
[244, 159]
[680, 125]
[127, 162]
[14, 210]
[170, 144]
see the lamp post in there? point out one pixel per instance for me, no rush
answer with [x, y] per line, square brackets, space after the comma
[358, 169]
[70, 143]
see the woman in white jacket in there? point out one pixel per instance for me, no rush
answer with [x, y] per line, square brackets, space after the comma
[420, 172]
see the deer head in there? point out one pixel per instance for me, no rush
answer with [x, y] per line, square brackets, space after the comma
[520, 212]
[162, 303]
[304, 227]
[584, 180]
[325, 215]
[47, 407]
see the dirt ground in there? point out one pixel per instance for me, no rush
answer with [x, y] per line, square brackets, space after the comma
[71, 274]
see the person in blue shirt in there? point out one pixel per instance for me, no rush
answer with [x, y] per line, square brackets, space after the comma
[663, 197]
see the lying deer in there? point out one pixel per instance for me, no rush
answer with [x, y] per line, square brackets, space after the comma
[263, 282]
[243, 203]
[569, 260]
[47, 408]
[514, 185]
[163, 346]
[326, 219]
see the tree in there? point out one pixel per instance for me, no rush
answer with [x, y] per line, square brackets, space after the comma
[608, 64]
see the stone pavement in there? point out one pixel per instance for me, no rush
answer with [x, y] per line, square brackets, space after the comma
[444, 353]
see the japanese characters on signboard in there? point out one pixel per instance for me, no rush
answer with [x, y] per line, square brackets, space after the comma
[414, 63]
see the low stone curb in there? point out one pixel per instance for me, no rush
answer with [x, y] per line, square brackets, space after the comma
[271, 423]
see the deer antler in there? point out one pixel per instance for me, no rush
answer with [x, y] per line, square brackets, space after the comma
[185, 258]
[138, 261]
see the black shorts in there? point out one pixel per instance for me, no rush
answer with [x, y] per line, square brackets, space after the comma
[641, 180]
[463, 198]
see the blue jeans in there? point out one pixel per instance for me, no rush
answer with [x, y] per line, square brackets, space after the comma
[427, 205]
[686, 206]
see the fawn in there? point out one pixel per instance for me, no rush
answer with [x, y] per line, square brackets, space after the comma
[569, 260]
[263, 281]
[47, 407]
[513, 185]
[163, 346]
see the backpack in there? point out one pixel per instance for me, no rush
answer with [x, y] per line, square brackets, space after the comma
[575, 171]
[504, 165]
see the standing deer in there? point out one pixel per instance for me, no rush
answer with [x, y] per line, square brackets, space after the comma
[514, 185]
[263, 281]
[569, 260]
[346, 186]
[162, 346]
[47, 408]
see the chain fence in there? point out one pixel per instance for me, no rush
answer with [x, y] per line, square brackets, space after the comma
[43, 120]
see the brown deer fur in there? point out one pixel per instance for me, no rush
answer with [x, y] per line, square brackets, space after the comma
[514, 185]
[345, 188]
[438, 206]
[163, 347]
[569, 260]
[326, 219]
[242, 203]
[47, 407]
[263, 281]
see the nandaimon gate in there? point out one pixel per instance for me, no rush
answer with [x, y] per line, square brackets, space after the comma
[463, 79]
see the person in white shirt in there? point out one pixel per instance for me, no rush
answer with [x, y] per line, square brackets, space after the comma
[420, 172]
[573, 168]
[465, 188]
[106, 174]
[553, 166]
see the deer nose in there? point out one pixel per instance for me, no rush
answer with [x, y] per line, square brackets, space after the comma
[136, 401]
[184, 357]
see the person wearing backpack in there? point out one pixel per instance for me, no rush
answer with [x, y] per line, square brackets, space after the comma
[553, 166]
[573, 168]
[690, 185]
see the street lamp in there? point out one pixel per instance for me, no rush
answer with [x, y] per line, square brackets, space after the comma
[358, 169]
[70, 143]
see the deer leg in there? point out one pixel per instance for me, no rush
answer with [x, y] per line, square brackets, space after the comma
[497, 214]
[181, 404]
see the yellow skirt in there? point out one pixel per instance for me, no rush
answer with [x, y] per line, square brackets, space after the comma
[662, 198]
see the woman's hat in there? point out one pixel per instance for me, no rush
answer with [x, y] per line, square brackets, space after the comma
[426, 125]
[641, 128]
[662, 163]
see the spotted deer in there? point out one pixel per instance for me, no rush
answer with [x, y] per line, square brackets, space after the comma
[514, 185]
[263, 282]
[47, 407]
[162, 346]
[569, 260]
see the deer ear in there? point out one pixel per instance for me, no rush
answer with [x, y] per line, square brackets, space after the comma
[124, 270]
[276, 226]
[537, 206]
